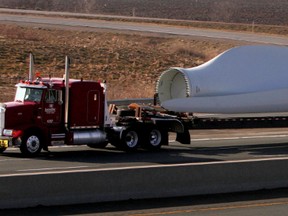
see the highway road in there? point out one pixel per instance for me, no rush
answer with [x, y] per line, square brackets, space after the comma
[208, 146]
[55, 19]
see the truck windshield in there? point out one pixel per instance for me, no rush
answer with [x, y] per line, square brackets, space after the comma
[28, 94]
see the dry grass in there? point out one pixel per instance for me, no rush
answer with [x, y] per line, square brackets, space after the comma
[130, 63]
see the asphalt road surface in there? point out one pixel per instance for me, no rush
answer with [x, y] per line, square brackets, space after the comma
[139, 27]
[206, 146]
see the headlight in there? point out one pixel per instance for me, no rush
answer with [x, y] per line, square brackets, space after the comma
[7, 132]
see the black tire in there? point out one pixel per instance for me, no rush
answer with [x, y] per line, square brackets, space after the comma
[31, 144]
[130, 140]
[155, 138]
[2, 149]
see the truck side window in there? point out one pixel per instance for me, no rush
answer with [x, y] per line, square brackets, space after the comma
[51, 96]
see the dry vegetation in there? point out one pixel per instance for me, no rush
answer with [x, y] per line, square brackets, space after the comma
[130, 63]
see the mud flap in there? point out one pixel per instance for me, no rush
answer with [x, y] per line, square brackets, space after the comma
[184, 137]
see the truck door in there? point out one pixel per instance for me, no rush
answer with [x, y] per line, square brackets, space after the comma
[93, 108]
[52, 107]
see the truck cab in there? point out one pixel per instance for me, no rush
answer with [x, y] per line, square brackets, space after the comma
[36, 117]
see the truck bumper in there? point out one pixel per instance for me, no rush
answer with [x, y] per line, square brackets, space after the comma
[5, 142]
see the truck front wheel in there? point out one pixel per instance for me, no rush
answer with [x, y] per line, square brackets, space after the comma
[31, 144]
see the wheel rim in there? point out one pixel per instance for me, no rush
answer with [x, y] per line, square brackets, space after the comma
[33, 144]
[131, 139]
[155, 137]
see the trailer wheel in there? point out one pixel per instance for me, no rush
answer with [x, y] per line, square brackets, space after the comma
[155, 139]
[130, 140]
[2, 149]
[31, 144]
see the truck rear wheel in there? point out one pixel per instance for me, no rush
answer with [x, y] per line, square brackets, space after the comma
[130, 140]
[31, 144]
[155, 139]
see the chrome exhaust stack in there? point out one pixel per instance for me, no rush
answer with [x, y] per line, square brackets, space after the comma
[31, 67]
[66, 77]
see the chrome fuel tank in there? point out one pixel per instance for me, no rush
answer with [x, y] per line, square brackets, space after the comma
[91, 136]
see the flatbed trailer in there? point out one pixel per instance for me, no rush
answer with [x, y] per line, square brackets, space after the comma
[215, 121]
[251, 120]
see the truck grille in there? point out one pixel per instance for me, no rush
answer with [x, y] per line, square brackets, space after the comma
[2, 118]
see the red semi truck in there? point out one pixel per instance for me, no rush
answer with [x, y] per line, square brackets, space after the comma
[62, 111]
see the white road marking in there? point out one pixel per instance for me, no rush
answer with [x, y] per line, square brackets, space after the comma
[240, 137]
[78, 169]
[52, 168]
[16, 159]
[236, 138]
[142, 167]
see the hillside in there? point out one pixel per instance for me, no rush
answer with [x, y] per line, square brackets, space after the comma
[130, 63]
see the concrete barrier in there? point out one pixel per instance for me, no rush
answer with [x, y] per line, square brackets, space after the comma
[99, 185]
